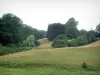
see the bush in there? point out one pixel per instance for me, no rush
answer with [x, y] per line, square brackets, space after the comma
[84, 65]
[19, 44]
[11, 45]
[5, 50]
[71, 43]
[60, 41]
[82, 40]
[61, 36]
[30, 41]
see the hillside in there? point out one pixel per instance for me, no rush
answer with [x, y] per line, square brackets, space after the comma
[53, 61]
[45, 43]
[87, 53]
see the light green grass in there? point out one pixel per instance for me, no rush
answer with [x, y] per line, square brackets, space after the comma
[53, 61]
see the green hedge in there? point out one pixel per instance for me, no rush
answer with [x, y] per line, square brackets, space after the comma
[62, 41]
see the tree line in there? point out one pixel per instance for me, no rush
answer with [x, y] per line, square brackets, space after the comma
[68, 35]
[16, 36]
[14, 31]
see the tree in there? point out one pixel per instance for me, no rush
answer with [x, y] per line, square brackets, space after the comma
[54, 30]
[43, 34]
[91, 36]
[28, 30]
[71, 30]
[10, 29]
[83, 32]
[98, 30]
[30, 41]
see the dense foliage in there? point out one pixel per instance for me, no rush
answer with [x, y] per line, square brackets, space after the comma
[14, 34]
[91, 36]
[12, 49]
[60, 41]
[10, 29]
[63, 41]
[54, 30]
[28, 30]
[98, 30]
[71, 30]
[13, 31]
[74, 37]
[30, 41]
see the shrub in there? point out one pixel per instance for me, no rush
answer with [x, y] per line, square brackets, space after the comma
[84, 65]
[61, 36]
[69, 43]
[30, 41]
[82, 40]
[5, 50]
[60, 41]
[19, 44]
[11, 45]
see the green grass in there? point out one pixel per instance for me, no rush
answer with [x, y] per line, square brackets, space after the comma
[45, 71]
[53, 61]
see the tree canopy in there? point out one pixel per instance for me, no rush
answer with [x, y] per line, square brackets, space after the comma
[54, 30]
[71, 30]
[10, 29]
[13, 31]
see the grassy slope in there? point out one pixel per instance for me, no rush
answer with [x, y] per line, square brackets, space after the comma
[44, 56]
[45, 43]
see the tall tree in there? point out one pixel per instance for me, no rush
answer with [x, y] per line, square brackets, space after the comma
[71, 30]
[91, 36]
[83, 32]
[54, 30]
[10, 29]
[28, 30]
[98, 30]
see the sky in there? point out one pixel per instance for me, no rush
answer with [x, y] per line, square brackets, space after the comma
[40, 13]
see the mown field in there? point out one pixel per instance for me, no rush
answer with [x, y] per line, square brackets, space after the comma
[45, 60]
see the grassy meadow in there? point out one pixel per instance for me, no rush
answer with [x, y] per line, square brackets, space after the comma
[46, 60]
